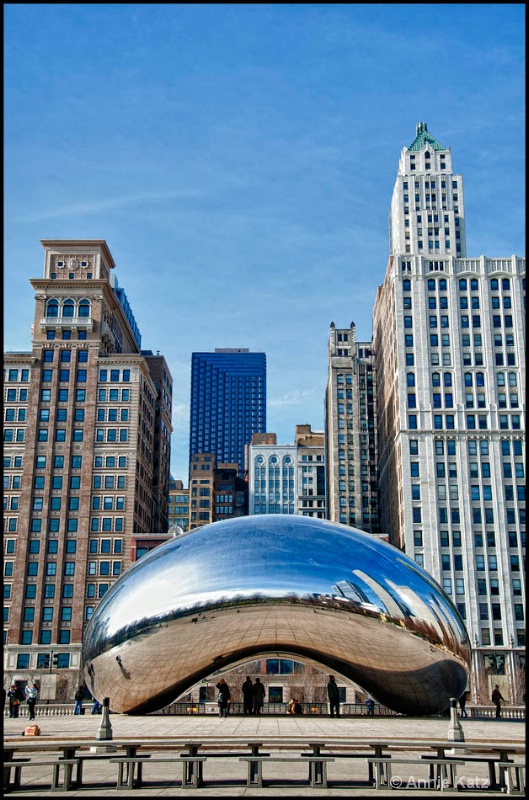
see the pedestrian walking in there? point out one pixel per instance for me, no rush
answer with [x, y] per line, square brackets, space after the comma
[258, 696]
[334, 696]
[96, 708]
[497, 699]
[247, 694]
[32, 692]
[78, 698]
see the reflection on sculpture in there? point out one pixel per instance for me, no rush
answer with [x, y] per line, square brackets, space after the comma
[264, 586]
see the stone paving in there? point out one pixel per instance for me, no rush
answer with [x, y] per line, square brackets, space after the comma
[101, 775]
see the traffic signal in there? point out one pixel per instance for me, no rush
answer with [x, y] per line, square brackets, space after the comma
[45, 661]
[55, 659]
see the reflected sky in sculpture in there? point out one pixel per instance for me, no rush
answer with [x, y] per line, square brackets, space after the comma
[237, 590]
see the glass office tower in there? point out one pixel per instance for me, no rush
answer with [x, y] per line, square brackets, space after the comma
[228, 403]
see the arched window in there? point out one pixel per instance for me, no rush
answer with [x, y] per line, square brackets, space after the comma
[84, 308]
[411, 378]
[52, 308]
[480, 379]
[500, 378]
[436, 379]
[448, 378]
[512, 379]
[468, 379]
[68, 308]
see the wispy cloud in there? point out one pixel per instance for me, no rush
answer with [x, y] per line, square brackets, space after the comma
[295, 398]
[110, 204]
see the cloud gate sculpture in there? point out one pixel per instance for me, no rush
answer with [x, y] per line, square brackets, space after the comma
[234, 591]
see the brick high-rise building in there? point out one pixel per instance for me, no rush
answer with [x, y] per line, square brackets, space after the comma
[87, 441]
[449, 342]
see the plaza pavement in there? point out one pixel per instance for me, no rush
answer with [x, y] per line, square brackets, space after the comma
[200, 728]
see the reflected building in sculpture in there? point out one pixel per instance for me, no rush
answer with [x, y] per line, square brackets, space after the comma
[276, 586]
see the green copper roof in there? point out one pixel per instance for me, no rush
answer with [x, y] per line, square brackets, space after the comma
[423, 138]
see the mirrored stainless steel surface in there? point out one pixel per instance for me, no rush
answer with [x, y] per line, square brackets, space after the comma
[258, 586]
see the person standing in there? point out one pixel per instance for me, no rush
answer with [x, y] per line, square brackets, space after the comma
[334, 696]
[15, 698]
[370, 706]
[32, 693]
[223, 698]
[463, 703]
[258, 696]
[78, 704]
[247, 693]
[497, 700]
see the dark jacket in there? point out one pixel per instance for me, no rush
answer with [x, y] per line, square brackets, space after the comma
[332, 690]
[224, 693]
[259, 692]
[247, 690]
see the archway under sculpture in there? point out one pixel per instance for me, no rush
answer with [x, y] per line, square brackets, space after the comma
[270, 585]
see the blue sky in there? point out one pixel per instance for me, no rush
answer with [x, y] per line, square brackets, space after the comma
[239, 160]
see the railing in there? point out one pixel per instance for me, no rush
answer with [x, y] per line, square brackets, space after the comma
[268, 709]
[59, 322]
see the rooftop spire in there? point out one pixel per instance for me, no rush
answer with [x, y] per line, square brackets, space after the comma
[423, 138]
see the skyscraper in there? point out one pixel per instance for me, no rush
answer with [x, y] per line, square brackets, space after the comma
[87, 443]
[350, 431]
[449, 339]
[228, 403]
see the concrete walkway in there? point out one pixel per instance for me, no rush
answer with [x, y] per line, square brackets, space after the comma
[150, 729]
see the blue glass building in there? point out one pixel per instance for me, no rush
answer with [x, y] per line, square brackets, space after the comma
[228, 403]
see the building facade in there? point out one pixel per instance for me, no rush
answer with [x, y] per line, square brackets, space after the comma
[288, 478]
[178, 505]
[228, 403]
[87, 439]
[216, 491]
[351, 431]
[449, 341]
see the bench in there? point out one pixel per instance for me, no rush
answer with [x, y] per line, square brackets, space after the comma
[81, 758]
[506, 776]
[57, 763]
[490, 760]
[317, 768]
[439, 781]
[191, 778]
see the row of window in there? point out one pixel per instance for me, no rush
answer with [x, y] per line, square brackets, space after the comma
[50, 568]
[67, 308]
[65, 356]
[23, 659]
[444, 538]
[447, 422]
[464, 284]
[62, 395]
[15, 375]
[66, 335]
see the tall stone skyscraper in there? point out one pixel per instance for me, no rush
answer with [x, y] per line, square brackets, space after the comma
[228, 403]
[350, 431]
[87, 446]
[449, 341]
